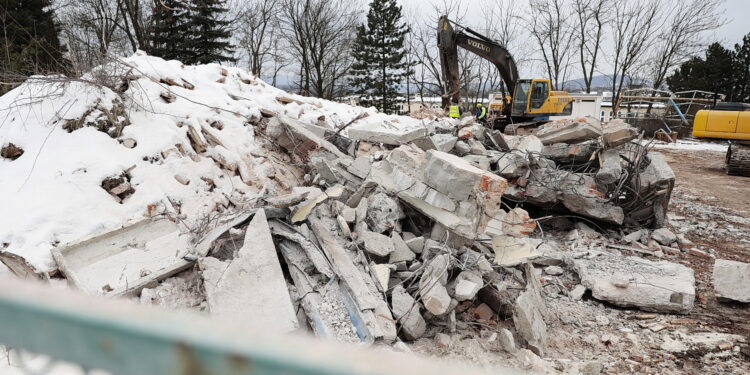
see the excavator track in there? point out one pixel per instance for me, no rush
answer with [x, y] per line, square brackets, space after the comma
[738, 160]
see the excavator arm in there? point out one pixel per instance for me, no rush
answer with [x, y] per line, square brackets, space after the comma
[448, 42]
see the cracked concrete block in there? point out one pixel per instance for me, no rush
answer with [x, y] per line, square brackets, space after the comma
[384, 213]
[732, 280]
[637, 282]
[406, 310]
[377, 244]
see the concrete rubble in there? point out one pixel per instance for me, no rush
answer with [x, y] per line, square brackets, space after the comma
[412, 234]
[732, 280]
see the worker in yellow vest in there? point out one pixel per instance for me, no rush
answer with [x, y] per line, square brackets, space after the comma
[481, 113]
[454, 111]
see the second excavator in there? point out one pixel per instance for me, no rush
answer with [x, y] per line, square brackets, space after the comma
[531, 101]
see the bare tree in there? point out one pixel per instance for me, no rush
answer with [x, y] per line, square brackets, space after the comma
[320, 34]
[681, 38]
[136, 22]
[592, 17]
[633, 27]
[550, 27]
[258, 27]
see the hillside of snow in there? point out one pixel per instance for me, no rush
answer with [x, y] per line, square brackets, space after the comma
[76, 134]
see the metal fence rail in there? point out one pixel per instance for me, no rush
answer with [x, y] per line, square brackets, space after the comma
[131, 339]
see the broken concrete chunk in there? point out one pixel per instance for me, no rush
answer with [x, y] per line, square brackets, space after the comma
[511, 251]
[581, 196]
[406, 310]
[382, 274]
[517, 223]
[664, 236]
[252, 286]
[304, 210]
[402, 252]
[732, 280]
[505, 338]
[383, 213]
[467, 285]
[431, 285]
[570, 154]
[610, 168]
[360, 167]
[287, 200]
[453, 176]
[577, 292]
[633, 281]
[524, 144]
[616, 133]
[19, 266]
[529, 321]
[408, 158]
[512, 164]
[416, 244]
[377, 244]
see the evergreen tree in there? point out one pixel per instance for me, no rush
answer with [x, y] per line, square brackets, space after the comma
[378, 53]
[741, 71]
[712, 73]
[29, 43]
[170, 30]
[208, 32]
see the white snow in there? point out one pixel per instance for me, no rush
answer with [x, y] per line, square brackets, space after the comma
[692, 145]
[52, 194]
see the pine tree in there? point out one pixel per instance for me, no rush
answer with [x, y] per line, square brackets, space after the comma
[741, 71]
[30, 43]
[208, 32]
[378, 53]
[708, 74]
[169, 31]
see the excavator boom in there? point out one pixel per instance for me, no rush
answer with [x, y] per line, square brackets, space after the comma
[448, 42]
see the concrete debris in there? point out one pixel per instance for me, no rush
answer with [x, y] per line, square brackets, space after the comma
[732, 280]
[406, 310]
[252, 285]
[19, 266]
[610, 169]
[664, 236]
[104, 264]
[382, 135]
[569, 130]
[377, 244]
[636, 282]
[432, 285]
[616, 133]
[383, 213]
[511, 251]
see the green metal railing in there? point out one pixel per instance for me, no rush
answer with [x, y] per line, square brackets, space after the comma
[131, 339]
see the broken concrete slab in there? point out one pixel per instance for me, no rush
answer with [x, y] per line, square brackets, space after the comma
[467, 285]
[124, 261]
[295, 137]
[19, 266]
[581, 195]
[732, 280]
[453, 176]
[382, 274]
[251, 287]
[616, 133]
[570, 154]
[512, 164]
[512, 251]
[392, 136]
[343, 265]
[416, 244]
[506, 340]
[406, 310]
[569, 131]
[377, 244]
[637, 282]
[524, 144]
[287, 200]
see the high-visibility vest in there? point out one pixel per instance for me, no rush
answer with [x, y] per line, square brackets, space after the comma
[484, 113]
[454, 112]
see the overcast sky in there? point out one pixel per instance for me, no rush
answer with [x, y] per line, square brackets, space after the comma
[736, 12]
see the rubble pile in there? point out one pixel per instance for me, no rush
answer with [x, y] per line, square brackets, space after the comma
[392, 230]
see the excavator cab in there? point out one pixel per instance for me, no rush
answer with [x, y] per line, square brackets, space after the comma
[533, 98]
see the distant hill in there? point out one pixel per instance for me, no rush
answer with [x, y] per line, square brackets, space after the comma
[600, 83]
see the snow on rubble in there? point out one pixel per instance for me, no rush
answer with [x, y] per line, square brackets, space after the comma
[52, 194]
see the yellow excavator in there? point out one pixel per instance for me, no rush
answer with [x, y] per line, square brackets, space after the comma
[730, 121]
[532, 100]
